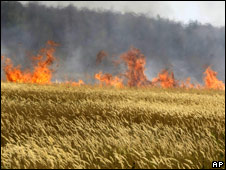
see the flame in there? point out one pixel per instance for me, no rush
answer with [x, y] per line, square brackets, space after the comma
[135, 62]
[187, 84]
[211, 81]
[109, 80]
[14, 74]
[72, 83]
[42, 74]
[165, 79]
[79, 83]
[134, 74]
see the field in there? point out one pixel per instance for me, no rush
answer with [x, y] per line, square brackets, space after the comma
[60, 126]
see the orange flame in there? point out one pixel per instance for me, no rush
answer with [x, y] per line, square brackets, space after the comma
[211, 81]
[72, 83]
[187, 84]
[42, 74]
[79, 83]
[135, 62]
[109, 80]
[165, 79]
[135, 76]
[14, 74]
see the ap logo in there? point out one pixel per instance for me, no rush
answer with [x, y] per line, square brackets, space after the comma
[218, 164]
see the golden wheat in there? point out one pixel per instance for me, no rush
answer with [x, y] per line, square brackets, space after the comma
[57, 126]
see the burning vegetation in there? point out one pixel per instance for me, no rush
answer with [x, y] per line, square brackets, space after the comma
[165, 79]
[211, 81]
[108, 79]
[41, 74]
[134, 76]
[135, 62]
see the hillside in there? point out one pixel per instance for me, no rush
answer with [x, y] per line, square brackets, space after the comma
[83, 33]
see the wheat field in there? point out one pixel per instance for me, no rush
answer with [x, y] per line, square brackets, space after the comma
[60, 126]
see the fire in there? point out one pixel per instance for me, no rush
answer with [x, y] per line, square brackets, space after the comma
[134, 74]
[165, 79]
[14, 74]
[79, 83]
[187, 84]
[211, 81]
[41, 74]
[71, 83]
[109, 80]
[135, 62]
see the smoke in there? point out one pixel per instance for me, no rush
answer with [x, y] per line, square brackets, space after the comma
[217, 16]
[82, 33]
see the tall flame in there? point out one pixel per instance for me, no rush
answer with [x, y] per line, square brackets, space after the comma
[211, 81]
[135, 62]
[41, 74]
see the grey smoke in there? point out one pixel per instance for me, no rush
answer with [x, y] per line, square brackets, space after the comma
[82, 33]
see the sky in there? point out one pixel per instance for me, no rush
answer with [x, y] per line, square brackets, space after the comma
[212, 12]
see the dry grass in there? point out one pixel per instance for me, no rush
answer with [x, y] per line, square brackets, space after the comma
[55, 126]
